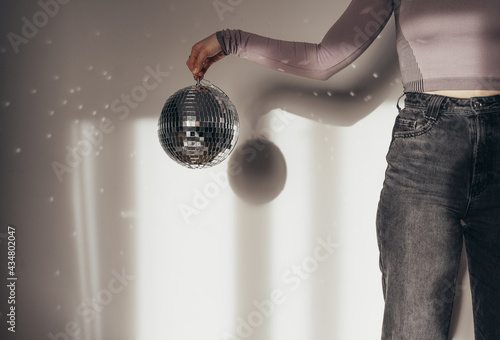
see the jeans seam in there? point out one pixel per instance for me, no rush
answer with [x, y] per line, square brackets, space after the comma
[470, 194]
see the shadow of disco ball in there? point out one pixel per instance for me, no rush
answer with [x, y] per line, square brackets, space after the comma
[198, 126]
[257, 171]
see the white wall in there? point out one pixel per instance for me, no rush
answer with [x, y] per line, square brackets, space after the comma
[105, 248]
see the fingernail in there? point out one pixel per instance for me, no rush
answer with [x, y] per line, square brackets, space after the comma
[195, 70]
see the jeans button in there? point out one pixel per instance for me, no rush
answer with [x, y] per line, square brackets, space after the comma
[477, 105]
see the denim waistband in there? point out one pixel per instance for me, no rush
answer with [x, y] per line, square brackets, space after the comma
[421, 100]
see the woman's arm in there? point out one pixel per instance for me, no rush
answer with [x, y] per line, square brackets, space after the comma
[346, 40]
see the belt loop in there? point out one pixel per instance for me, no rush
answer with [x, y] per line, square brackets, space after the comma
[434, 106]
[397, 103]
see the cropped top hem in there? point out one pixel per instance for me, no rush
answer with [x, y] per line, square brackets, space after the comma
[452, 84]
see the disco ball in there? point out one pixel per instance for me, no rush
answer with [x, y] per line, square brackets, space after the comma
[198, 126]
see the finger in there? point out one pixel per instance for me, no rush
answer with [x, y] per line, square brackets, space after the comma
[195, 55]
[200, 61]
[192, 58]
[190, 64]
[199, 75]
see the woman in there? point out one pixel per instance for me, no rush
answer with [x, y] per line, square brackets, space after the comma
[442, 183]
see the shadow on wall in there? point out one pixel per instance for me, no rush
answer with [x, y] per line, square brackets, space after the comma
[257, 171]
[342, 106]
[344, 100]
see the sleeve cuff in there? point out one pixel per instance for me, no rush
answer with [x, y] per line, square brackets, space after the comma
[220, 38]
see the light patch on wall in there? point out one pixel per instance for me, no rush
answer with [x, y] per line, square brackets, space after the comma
[292, 232]
[185, 250]
[86, 236]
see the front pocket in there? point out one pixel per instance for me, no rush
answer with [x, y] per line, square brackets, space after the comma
[403, 125]
[411, 123]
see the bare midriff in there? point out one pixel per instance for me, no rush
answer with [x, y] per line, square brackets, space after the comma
[465, 93]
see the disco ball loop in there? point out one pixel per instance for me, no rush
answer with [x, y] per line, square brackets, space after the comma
[198, 126]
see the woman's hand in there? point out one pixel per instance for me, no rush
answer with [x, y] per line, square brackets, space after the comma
[203, 55]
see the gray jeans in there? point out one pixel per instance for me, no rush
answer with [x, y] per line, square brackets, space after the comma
[442, 186]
